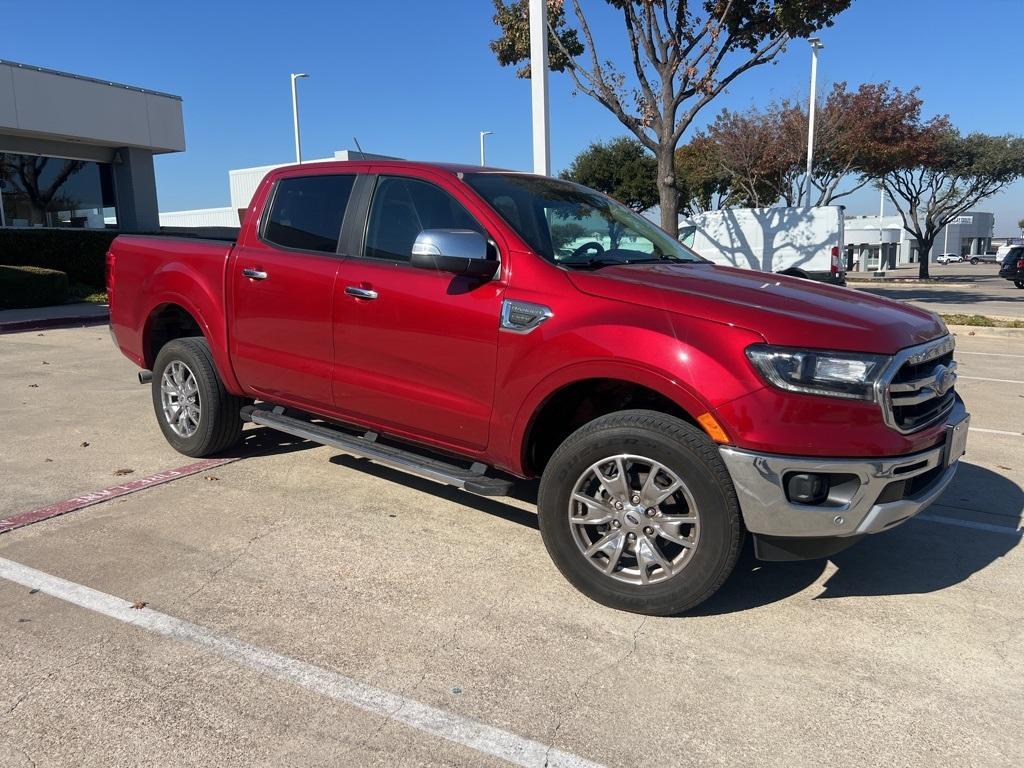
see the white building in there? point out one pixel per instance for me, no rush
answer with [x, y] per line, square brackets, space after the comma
[967, 235]
[242, 184]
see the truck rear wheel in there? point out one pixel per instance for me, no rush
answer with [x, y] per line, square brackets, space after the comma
[196, 414]
[639, 513]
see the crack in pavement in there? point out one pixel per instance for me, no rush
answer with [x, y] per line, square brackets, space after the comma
[578, 690]
[242, 553]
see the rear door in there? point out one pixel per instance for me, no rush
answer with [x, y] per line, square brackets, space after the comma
[282, 282]
[415, 349]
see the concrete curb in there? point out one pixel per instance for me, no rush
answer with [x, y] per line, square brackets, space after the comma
[42, 324]
[981, 330]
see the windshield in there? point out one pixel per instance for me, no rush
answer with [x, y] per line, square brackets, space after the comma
[574, 226]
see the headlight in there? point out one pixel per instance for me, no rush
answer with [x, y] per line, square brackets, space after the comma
[834, 374]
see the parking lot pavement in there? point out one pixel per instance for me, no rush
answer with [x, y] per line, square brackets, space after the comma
[906, 649]
[976, 290]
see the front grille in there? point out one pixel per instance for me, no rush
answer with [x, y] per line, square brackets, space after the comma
[922, 389]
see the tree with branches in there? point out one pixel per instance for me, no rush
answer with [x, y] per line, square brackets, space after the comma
[683, 54]
[621, 168]
[30, 172]
[941, 175]
[764, 150]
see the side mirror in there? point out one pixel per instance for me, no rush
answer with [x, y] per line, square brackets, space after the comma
[461, 251]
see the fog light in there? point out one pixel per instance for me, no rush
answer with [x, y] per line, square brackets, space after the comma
[807, 488]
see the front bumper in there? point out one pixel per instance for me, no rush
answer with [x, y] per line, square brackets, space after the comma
[869, 496]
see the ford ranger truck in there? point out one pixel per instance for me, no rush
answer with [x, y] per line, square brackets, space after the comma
[475, 326]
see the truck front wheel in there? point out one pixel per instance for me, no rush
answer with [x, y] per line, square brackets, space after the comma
[639, 513]
[196, 414]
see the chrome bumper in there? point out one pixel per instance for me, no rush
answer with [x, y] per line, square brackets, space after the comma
[853, 507]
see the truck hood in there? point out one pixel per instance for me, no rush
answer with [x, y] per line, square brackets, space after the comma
[787, 311]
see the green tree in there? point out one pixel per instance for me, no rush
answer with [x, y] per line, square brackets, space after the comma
[683, 53]
[621, 168]
[1020, 226]
[703, 182]
[942, 175]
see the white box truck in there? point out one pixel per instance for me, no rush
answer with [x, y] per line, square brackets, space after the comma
[803, 242]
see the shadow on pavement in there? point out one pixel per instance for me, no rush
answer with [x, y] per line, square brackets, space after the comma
[263, 441]
[942, 295]
[523, 491]
[915, 558]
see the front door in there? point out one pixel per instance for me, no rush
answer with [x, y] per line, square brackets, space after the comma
[282, 344]
[415, 349]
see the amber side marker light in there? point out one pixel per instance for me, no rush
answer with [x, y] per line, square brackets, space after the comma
[713, 428]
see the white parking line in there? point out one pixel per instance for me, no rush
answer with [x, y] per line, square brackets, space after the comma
[997, 431]
[1004, 529]
[982, 378]
[988, 354]
[437, 722]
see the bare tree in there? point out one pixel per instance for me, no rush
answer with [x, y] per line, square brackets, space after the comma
[29, 170]
[683, 54]
[943, 175]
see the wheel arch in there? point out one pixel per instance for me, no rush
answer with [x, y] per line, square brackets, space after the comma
[173, 317]
[565, 401]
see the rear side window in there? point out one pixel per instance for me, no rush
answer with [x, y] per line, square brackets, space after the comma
[307, 212]
[402, 208]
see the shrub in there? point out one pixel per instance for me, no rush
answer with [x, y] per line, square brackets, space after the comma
[32, 287]
[79, 253]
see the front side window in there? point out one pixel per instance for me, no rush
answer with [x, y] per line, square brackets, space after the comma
[574, 226]
[404, 207]
[307, 212]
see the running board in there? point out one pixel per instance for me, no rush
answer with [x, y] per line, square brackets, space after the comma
[472, 479]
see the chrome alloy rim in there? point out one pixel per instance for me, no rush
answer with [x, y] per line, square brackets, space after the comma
[634, 519]
[179, 395]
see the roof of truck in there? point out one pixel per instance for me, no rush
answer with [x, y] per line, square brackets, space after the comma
[453, 168]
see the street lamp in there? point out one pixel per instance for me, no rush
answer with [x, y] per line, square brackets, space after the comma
[816, 46]
[295, 116]
[539, 86]
[483, 154]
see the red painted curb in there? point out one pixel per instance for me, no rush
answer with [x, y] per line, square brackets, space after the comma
[97, 497]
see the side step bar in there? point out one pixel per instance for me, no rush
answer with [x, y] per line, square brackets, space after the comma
[472, 479]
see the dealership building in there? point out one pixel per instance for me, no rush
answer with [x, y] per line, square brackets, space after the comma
[78, 152]
[967, 235]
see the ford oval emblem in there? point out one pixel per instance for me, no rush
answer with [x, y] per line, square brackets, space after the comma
[944, 379]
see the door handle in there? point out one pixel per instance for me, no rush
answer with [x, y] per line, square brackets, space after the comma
[254, 274]
[360, 293]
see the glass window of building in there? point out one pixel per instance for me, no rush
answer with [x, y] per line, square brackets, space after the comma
[39, 191]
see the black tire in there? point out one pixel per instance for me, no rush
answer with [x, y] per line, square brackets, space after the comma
[1019, 283]
[688, 453]
[220, 425]
[974, 261]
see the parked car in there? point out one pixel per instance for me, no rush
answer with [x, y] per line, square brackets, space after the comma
[949, 258]
[801, 242]
[979, 258]
[1011, 260]
[430, 318]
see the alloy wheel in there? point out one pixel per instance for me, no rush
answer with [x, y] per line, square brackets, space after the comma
[179, 396]
[634, 519]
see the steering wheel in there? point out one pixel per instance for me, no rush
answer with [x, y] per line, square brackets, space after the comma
[592, 245]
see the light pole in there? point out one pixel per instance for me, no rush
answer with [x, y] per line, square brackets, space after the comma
[816, 46]
[539, 86]
[483, 153]
[295, 116]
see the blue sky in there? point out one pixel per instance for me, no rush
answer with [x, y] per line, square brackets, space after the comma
[416, 79]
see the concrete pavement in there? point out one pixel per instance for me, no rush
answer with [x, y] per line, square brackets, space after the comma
[906, 649]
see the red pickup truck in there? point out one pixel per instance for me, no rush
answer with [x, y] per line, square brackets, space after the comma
[474, 326]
